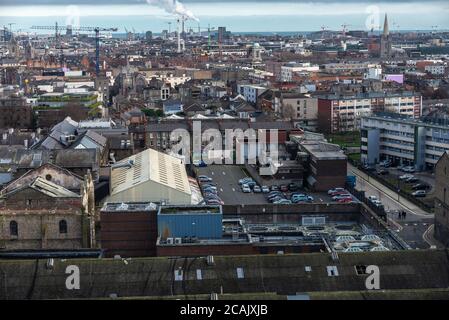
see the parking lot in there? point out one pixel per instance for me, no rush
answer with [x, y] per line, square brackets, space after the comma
[422, 178]
[227, 179]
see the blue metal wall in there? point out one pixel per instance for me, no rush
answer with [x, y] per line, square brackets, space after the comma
[203, 226]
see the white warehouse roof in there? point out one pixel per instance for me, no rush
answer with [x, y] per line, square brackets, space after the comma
[152, 176]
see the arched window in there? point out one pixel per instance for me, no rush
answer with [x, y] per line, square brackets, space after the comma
[62, 226]
[13, 228]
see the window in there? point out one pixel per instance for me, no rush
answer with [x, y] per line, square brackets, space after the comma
[308, 268]
[240, 274]
[62, 226]
[13, 228]
[360, 269]
[178, 275]
[332, 271]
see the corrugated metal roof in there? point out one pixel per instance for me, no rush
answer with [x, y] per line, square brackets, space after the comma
[150, 165]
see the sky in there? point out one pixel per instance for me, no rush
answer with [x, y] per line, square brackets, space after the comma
[236, 15]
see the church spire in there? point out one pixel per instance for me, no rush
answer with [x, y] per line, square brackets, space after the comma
[386, 28]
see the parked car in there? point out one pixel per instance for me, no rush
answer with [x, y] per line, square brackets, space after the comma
[283, 187]
[412, 180]
[274, 192]
[204, 179]
[419, 194]
[200, 164]
[208, 187]
[421, 186]
[246, 188]
[265, 189]
[293, 186]
[369, 168]
[345, 200]
[283, 201]
[385, 163]
[406, 176]
[409, 169]
[251, 184]
[372, 198]
[331, 191]
[276, 199]
[257, 189]
[377, 203]
[301, 198]
[274, 188]
[280, 195]
[339, 193]
[214, 201]
[342, 196]
[382, 172]
[208, 184]
[245, 180]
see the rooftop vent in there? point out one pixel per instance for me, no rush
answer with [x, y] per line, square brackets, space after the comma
[128, 165]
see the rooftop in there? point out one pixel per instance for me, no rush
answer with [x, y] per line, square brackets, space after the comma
[190, 210]
[149, 165]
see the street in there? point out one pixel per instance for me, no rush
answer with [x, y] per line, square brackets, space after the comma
[415, 228]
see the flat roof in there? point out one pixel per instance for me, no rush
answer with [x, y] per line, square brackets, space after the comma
[189, 210]
[129, 206]
[323, 151]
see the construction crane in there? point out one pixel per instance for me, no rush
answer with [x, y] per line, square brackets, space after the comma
[208, 29]
[434, 29]
[345, 28]
[97, 31]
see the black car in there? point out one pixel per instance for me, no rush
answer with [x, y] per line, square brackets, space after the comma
[368, 168]
[420, 186]
[383, 172]
[293, 187]
[412, 180]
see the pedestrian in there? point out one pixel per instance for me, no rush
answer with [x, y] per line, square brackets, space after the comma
[405, 214]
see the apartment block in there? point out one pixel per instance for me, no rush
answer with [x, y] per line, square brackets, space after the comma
[343, 113]
[403, 140]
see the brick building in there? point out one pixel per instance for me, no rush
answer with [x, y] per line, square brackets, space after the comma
[129, 229]
[15, 113]
[39, 214]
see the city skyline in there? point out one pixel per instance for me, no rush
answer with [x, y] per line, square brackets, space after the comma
[286, 16]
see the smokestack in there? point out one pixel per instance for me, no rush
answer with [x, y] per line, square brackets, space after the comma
[183, 28]
[179, 36]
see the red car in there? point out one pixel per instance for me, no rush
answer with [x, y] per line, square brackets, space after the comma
[337, 193]
[345, 200]
[284, 188]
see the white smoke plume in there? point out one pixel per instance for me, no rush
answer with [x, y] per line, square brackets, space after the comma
[173, 7]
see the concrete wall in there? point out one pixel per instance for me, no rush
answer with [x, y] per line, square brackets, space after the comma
[269, 213]
[442, 199]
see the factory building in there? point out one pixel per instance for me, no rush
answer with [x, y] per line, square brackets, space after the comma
[150, 176]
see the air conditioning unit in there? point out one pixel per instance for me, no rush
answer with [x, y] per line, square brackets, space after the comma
[70, 138]
[210, 260]
[214, 296]
[178, 240]
[170, 241]
[50, 263]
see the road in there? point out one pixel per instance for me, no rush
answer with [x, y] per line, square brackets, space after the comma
[415, 228]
